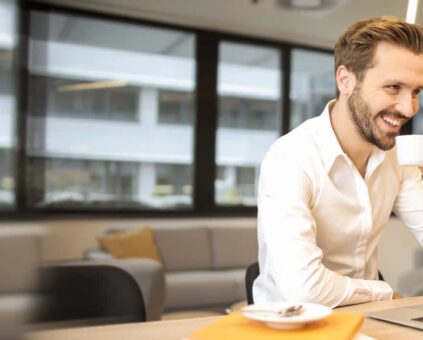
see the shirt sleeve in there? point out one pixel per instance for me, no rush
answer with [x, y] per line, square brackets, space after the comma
[409, 203]
[289, 254]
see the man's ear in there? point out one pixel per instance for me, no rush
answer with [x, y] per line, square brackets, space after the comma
[345, 80]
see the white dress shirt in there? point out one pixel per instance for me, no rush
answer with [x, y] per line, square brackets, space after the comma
[320, 221]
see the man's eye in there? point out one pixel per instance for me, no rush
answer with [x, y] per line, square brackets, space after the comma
[393, 89]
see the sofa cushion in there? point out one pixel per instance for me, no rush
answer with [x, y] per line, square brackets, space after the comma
[184, 248]
[233, 246]
[204, 288]
[139, 243]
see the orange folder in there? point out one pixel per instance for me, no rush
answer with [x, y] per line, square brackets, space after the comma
[235, 326]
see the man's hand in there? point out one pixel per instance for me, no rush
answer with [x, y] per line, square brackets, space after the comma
[397, 295]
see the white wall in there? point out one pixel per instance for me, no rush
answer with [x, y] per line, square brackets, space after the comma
[396, 251]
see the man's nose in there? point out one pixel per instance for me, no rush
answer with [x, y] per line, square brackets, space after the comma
[408, 105]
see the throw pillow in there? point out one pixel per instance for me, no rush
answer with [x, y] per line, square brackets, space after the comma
[139, 243]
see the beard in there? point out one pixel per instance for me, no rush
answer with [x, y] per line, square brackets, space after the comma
[365, 121]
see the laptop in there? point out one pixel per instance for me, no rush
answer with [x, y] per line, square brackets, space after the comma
[411, 316]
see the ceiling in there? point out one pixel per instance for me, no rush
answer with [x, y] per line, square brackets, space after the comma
[256, 18]
[107, 34]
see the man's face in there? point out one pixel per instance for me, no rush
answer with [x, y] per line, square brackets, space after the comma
[387, 97]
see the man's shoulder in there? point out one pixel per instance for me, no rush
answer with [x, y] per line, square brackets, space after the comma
[298, 142]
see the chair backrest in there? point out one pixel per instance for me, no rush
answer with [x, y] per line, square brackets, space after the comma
[94, 294]
[251, 274]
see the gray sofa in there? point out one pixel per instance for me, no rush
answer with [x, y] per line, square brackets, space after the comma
[204, 267]
[19, 278]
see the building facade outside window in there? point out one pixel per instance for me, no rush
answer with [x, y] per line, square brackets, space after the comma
[91, 100]
[418, 118]
[247, 113]
[249, 118]
[312, 84]
[103, 112]
[176, 107]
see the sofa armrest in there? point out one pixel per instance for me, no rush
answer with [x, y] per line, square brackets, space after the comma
[150, 277]
[97, 254]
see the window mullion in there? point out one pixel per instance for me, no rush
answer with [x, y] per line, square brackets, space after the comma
[206, 121]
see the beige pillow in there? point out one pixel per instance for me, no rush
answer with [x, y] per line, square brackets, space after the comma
[139, 243]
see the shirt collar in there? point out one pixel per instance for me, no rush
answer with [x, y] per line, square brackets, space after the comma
[330, 149]
[377, 156]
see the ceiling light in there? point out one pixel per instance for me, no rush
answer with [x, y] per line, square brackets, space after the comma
[309, 5]
[412, 11]
[306, 3]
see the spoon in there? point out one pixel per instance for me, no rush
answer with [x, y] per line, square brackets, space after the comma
[285, 312]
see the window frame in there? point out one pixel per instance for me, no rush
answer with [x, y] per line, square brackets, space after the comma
[205, 107]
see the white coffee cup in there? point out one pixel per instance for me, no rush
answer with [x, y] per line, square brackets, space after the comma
[410, 150]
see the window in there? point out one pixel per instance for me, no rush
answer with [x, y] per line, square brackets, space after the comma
[115, 125]
[8, 41]
[87, 100]
[313, 84]
[418, 118]
[237, 185]
[249, 90]
[70, 182]
[173, 184]
[97, 101]
[247, 113]
[7, 179]
[176, 107]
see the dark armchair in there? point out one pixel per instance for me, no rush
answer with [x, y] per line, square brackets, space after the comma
[94, 295]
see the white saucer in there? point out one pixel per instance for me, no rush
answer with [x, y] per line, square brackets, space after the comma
[311, 312]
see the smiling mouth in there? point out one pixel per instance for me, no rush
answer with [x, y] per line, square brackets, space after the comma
[394, 120]
[391, 121]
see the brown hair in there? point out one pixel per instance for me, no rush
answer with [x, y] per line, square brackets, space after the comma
[355, 48]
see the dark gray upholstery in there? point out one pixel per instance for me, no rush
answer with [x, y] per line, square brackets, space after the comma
[251, 274]
[96, 294]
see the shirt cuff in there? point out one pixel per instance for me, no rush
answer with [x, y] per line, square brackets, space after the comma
[369, 290]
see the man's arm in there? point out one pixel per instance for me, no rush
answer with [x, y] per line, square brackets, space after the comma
[287, 232]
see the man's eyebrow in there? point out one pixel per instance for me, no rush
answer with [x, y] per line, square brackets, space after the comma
[393, 81]
[398, 82]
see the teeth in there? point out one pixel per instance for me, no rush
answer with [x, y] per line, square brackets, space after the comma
[391, 121]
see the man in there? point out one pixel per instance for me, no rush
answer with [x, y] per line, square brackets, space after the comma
[327, 189]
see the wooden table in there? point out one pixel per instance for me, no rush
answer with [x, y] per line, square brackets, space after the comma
[178, 329]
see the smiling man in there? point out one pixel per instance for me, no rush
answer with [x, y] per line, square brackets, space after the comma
[327, 189]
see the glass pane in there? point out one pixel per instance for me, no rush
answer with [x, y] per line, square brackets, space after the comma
[176, 107]
[418, 121]
[418, 118]
[249, 79]
[8, 41]
[100, 114]
[312, 84]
